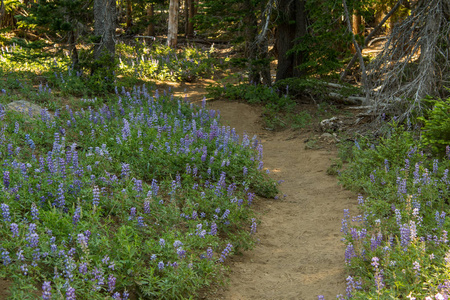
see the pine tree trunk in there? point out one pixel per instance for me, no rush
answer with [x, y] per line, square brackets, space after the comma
[186, 16]
[173, 24]
[292, 26]
[151, 25]
[104, 28]
[192, 10]
[129, 15]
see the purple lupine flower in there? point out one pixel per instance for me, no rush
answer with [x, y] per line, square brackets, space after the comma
[349, 253]
[435, 165]
[398, 217]
[5, 257]
[226, 214]
[155, 188]
[132, 214]
[96, 196]
[34, 212]
[416, 268]
[147, 207]
[24, 269]
[440, 219]
[244, 171]
[140, 221]
[6, 179]
[213, 229]
[375, 263]
[20, 255]
[351, 286]
[401, 186]
[253, 226]
[161, 265]
[46, 290]
[360, 199]
[250, 198]
[70, 294]
[126, 129]
[162, 242]
[15, 230]
[83, 240]
[61, 200]
[111, 283]
[225, 252]
[405, 235]
[177, 244]
[105, 259]
[138, 186]
[379, 280]
[320, 297]
[181, 253]
[83, 268]
[125, 170]
[5, 212]
[209, 253]
[260, 165]
[76, 216]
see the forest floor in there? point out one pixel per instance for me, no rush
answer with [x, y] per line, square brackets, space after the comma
[299, 254]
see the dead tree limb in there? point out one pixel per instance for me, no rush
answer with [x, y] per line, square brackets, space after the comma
[415, 61]
[371, 34]
[358, 51]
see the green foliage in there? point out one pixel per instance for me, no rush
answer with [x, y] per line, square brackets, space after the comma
[164, 63]
[436, 128]
[164, 173]
[401, 232]
[393, 147]
[275, 105]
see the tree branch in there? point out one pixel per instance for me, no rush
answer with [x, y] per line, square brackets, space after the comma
[371, 34]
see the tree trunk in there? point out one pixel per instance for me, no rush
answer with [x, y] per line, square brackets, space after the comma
[356, 23]
[129, 15]
[190, 27]
[186, 16]
[292, 26]
[104, 28]
[151, 25]
[73, 49]
[173, 24]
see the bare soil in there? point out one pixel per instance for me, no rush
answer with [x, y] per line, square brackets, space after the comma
[299, 254]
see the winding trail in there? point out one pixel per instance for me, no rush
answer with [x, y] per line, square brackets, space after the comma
[300, 254]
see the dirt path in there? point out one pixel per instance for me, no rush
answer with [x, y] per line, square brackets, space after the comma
[299, 254]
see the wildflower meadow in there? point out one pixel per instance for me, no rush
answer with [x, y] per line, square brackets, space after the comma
[135, 194]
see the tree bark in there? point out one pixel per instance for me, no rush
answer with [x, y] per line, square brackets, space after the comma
[292, 27]
[73, 49]
[173, 24]
[186, 16]
[129, 15]
[150, 14]
[104, 28]
[358, 51]
[356, 23]
[190, 27]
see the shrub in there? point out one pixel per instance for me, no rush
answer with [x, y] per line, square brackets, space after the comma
[436, 128]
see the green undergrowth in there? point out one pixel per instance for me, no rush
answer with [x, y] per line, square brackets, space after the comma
[135, 192]
[398, 245]
[279, 109]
